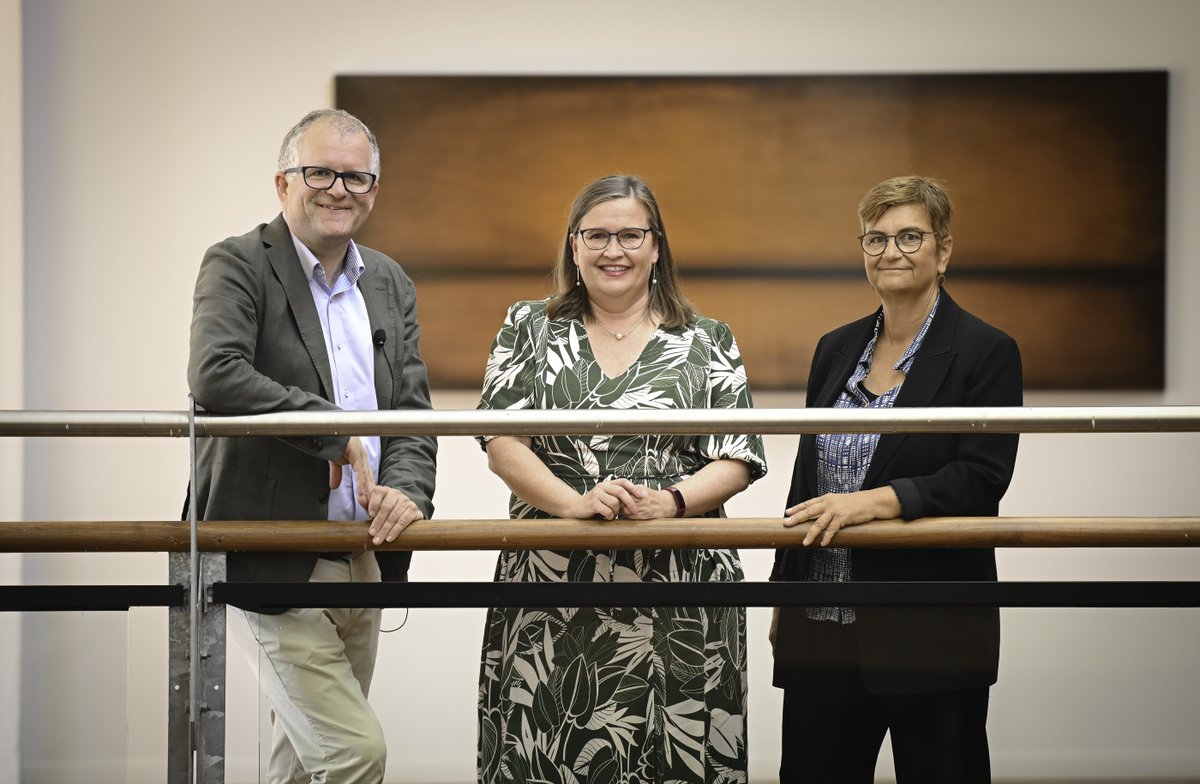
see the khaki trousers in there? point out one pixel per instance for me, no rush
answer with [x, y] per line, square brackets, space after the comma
[315, 667]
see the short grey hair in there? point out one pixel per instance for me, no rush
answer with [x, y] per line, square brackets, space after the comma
[924, 192]
[342, 121]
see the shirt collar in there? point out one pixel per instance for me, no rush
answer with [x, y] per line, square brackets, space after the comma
[906, 359]
[352, 267]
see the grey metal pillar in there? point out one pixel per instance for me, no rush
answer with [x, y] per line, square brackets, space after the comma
[210, 734]
[179, 723]
[196, 650]
[207, 736]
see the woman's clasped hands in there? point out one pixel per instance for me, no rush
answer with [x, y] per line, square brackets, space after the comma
[620, 498]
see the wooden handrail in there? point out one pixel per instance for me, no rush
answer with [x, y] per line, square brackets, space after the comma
[301, 535]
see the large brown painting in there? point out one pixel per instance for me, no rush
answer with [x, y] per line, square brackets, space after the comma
[1059, 182]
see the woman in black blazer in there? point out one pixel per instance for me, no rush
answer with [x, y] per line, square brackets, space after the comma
[851, 674]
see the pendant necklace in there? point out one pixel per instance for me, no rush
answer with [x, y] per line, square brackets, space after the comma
[626, 333]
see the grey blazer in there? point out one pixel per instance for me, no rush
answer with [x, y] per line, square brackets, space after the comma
[256, 347]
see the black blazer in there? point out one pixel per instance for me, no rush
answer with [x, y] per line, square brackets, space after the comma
[962, 362]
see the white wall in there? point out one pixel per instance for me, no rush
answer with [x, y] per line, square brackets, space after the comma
[10, 360]
[150, 132]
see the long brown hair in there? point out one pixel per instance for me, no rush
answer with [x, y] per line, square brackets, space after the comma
[666, 296]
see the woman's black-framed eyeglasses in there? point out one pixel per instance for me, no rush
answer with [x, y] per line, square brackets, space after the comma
[598, 239]
[874, 243]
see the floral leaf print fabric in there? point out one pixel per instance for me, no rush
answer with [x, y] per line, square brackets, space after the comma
[599, 695]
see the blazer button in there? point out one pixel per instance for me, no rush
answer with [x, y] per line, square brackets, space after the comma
[317, 444]
[323, 497]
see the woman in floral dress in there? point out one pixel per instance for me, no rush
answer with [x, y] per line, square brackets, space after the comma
[600, 695]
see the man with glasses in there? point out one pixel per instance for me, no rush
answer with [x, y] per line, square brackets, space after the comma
[294, 316]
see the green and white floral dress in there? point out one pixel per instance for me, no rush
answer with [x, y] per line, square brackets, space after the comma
[602, 695]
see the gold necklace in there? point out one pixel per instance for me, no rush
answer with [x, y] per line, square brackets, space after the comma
[626, 333]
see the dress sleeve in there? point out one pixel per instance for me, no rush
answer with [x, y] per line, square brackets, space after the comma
[508, 378]
[728, 388]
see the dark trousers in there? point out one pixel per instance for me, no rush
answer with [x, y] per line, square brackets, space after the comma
[833, 727]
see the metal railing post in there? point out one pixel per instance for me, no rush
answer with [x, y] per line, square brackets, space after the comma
[179, 730]
[210, 696]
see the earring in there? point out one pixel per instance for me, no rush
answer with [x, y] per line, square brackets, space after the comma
[654, 274]
[577, 276]
[941, 279]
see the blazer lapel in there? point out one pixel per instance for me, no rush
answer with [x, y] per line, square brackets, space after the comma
[281, 253]
[929, 369]
[842, 364]
[843, 360]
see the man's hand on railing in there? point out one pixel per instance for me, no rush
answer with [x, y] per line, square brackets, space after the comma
[390, 512]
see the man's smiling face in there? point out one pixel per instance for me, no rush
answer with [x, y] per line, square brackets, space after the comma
[325, 221]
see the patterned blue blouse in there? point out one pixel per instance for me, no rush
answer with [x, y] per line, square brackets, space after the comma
[843, 460]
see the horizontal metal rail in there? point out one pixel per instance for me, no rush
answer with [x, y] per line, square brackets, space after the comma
[89, 598]
[751, 532]
[171, 424]
[764, 421]
[264, 596]
[275, 596]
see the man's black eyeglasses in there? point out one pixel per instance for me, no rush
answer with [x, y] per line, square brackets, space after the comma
[320, 178]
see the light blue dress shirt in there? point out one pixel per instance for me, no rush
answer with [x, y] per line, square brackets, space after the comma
[348, 342]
